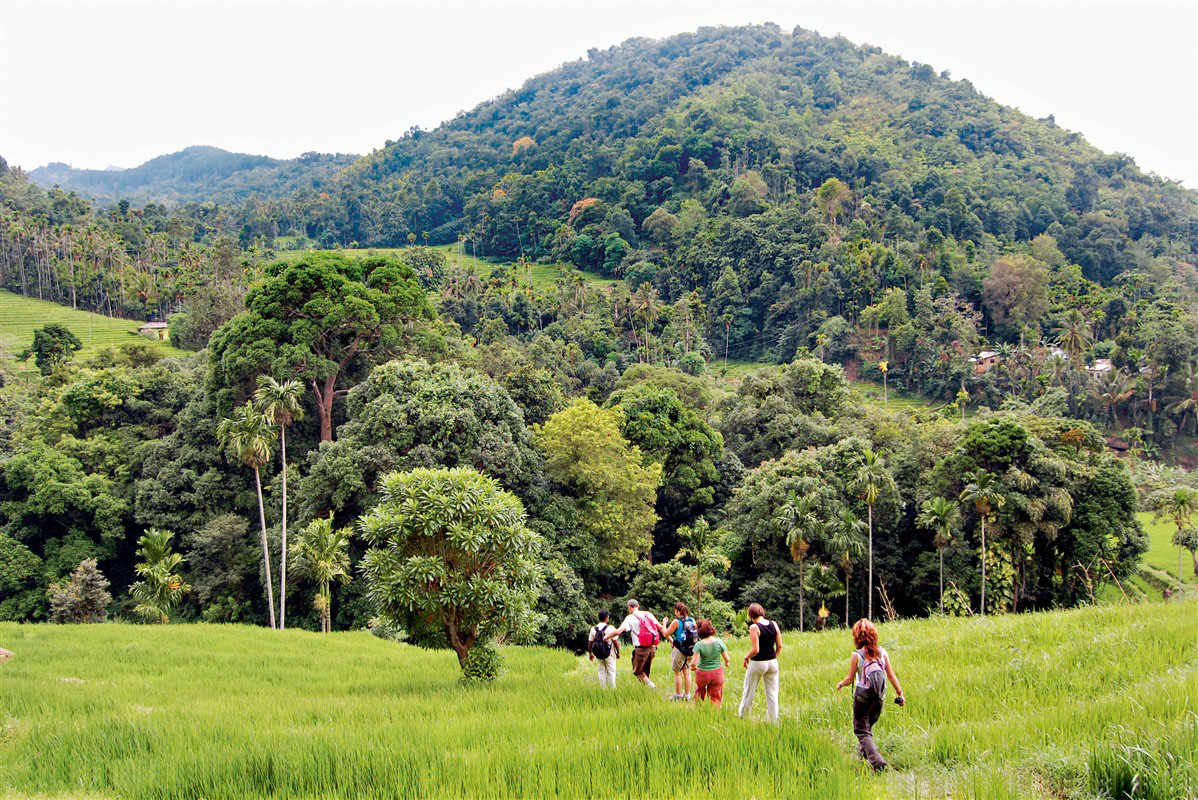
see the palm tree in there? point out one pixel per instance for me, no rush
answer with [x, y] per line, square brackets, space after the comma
[882, 365]
[1073, 335]
[160, 587]
[981, 489]
[246, 436]
[845, 538]
[872, 479]
[647, 307]
[322, 553]
[700, 544]
[797, 519]
[1188, 405]
[941, 515]
[1179, 505]
[280, 402]
[1113, 391]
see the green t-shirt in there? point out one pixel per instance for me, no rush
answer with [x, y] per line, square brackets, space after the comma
[709, 654]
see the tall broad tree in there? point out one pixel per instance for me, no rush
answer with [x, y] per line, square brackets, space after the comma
[941, 515]
[872, 478]
[452, 562]
[280, 402]
[323, 319]
[247, 436]
[983, 491]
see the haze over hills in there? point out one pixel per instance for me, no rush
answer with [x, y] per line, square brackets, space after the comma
[196, 174]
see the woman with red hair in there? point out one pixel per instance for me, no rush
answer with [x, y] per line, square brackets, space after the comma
[871, 667]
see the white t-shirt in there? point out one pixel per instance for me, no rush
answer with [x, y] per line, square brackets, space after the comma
[632, 623]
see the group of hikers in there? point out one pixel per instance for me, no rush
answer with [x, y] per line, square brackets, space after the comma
[699, 659]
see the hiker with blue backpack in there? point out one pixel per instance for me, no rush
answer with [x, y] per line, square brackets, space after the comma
[683, 633]
[869, 668]
[604, 651]
[646, 634]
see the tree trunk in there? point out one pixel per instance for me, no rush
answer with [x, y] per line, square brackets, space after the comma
[324, 406]
[870, 615]
[270, 592]
[941, 580]
[802, 604]
[983, 565]
[283, 553]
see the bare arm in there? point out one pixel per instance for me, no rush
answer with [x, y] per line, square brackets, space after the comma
[893, 678]
[614, 632]
[727, 660]
[848, 679]
[670, 630]
[777, 639]
[754, 634]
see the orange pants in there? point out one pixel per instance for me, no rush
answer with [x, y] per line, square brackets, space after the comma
[710, 683]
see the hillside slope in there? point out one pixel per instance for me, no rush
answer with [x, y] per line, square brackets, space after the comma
[1080, 703]
[742, 120]
[196, 174]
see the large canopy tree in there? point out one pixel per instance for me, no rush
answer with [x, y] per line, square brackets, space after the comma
[321, 319]
[451, 559]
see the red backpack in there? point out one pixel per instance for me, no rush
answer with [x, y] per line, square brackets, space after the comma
[649, 634]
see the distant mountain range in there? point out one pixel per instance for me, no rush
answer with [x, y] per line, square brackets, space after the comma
[196, 174]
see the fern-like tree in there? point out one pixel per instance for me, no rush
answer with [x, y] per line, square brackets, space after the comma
[322, 553]
[940, 515]
[1177, 504]
[846, 541]
[247, 436]
[160, 586]
[453, 563]
[872, 478]
[700, 543]
[983, 491]
[280, 402]
[796, 518]
[83, 597]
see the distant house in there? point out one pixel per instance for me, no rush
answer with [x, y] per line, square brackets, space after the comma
[1101, 366]
[1057, 352]
[153, 330]
[984, 360]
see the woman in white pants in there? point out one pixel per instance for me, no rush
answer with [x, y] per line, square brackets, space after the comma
[761, 664]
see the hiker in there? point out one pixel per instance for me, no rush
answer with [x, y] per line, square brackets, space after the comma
[709, 650]
[683, 634]
[761, 664]
[646, 632]
[870, 665]
[605, 652]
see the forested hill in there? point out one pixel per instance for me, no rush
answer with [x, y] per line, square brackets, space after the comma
[742, 120]
[196, 174]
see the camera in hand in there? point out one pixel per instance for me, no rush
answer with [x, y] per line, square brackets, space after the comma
[899, 700]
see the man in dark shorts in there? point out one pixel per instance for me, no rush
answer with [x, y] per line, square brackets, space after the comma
[646, 632]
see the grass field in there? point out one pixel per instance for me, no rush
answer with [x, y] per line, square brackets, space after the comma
[1162, 553]
[20, 316]
[540, 276]
[1068, 704]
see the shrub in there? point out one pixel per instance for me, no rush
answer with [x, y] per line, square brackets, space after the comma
[83, 597]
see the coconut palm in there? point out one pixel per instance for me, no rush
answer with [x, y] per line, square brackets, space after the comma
[247, 436]
[797, 519]
[844, 538]
[280, 402]
[941, 515]
[871, 480]
[322, 554]
[646, 307]
[982, 489]
[1073, 335]
[1179, 505]
[1188, 404]
[1113, 391]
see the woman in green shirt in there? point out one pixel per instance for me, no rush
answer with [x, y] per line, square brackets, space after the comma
[709, 680]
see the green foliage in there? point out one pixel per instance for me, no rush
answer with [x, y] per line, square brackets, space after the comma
[606, 482]
[408, 414]
[451, 559]
[82, 598]
[322, 554]
[483, 664]
[53, 345]
[22, 593]
[160, 587]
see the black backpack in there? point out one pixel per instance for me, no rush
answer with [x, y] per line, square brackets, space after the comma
[686, 635]
[600, 647]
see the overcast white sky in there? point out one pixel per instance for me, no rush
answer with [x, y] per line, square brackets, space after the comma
[98, 84]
